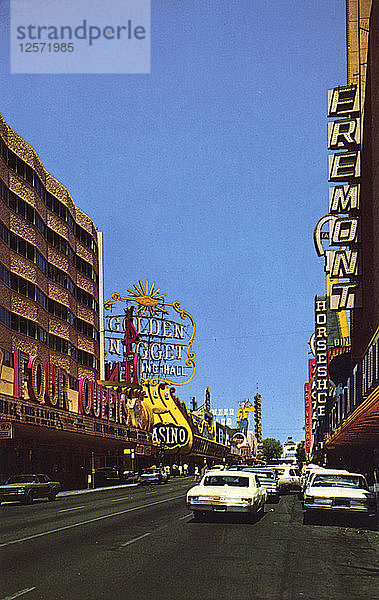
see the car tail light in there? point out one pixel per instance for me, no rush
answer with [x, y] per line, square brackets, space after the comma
[249, 500]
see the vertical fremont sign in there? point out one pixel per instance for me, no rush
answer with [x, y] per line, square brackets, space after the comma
[344, 137]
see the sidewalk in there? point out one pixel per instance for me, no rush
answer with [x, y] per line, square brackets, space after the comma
[108, 487]
[98, 489]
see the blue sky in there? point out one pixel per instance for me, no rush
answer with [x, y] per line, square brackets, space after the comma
[207, 176]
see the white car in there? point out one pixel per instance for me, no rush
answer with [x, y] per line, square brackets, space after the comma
[153, 475]
[224, 491]
[268, 480]
[306, 473]
[288, 478]
[339, 492]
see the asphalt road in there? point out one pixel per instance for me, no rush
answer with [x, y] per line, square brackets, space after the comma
[141, 543]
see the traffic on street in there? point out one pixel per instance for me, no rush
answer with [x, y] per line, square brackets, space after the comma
[189, 300]
[141, 542]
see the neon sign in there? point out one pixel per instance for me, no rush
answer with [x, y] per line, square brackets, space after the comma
[147, 343]
[342, 264]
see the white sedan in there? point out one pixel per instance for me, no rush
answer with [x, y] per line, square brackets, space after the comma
[339, 492]
[223, 491]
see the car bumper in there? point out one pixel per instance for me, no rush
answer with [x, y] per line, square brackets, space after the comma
[347, 510]
[288, 487]
[222, 507]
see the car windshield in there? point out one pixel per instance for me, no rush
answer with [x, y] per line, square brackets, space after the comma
[219, 480]
[21, 479]
[351, 481]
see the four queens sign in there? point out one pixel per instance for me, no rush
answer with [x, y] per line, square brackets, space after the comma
[148, 343]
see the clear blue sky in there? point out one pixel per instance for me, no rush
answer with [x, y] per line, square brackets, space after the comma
[207, 176]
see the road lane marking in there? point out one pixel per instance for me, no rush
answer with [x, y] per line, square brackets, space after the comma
[121, 512]
[18, 594]
[124, 498]
[74, 508]
[134, 540]
[150, 533]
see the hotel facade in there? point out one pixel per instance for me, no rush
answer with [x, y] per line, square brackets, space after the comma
[342, 393]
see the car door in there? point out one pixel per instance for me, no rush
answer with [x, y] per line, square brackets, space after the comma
[43, 486]
[258, 491]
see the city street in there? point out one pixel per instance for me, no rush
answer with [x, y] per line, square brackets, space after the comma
[142, 543]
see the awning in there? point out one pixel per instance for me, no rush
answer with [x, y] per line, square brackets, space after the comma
[361, 427]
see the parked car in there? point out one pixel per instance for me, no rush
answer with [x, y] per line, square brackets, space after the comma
[268, 480]
[288, 478]
[26, 488]
[306, 473]
[339, 492]
[129, 477]
[105, 476]
[222, 491]
[153, 475]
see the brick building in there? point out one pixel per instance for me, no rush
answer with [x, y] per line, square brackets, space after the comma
[49, 265]
[49, 304]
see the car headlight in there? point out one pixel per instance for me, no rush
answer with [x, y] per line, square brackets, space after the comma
[21, 490]
[309, 499]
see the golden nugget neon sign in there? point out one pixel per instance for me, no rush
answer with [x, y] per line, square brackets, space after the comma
[147, 342]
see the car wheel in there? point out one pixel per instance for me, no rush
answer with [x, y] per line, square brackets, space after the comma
[308, 517]
[252, 517]
[198, 516]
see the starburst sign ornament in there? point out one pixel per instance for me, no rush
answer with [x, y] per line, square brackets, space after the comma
[160, 346]
[148, 300]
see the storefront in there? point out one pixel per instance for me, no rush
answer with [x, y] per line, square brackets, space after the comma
[47, 427]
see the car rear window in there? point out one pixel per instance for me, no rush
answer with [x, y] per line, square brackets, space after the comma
[265, 475]
[339, 481]
[218, 480]
[260, 472]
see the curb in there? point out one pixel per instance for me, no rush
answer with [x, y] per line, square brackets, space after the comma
[100, 489]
